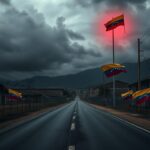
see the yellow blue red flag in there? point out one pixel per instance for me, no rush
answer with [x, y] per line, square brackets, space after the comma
[114, 23]
[127, 95]
[141, 96]
[113, 69]
[14, 92]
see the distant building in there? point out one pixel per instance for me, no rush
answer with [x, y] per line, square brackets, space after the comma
[83, 93]
[145, 83]
[94, 91]
[46, 92]
[104, 93]
[120, 87]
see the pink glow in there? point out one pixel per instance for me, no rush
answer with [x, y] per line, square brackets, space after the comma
[122, 33]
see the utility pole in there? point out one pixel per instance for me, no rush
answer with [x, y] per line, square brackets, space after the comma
[114, 88]
[139, 65]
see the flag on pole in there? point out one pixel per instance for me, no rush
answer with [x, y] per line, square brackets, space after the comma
[113, 69]
[114, 23]
[14, 92]
[13, 95]
[127, 95]
[141, 96]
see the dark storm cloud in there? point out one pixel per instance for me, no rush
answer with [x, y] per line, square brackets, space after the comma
[139, 11]
[119, 1]
[122, 3]
[6, 2]
[73, 35]
[28, 44]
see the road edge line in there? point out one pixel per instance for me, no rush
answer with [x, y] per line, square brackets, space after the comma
[123, 120]
[71, 147]
[130, 123]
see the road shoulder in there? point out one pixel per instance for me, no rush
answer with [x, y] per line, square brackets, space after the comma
[132, 118]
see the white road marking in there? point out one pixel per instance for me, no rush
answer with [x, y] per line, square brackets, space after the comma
[73, 126]
[132, 124]
[71, 147]
[74, 117]
[123, 121]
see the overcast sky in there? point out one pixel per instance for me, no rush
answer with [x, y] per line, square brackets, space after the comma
[55, 37]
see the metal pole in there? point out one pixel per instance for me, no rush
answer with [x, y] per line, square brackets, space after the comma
[113, 45]
[114, 90]
[139, 66]
[104, 85]
[105, 98]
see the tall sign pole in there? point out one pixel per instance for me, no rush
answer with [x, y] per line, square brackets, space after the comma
[139, 65]
[111, 25]
[113, 45]
[114, 88]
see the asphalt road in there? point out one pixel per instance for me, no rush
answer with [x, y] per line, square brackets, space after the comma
[78, 126]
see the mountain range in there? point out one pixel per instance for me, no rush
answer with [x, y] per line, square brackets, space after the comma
[84, 79]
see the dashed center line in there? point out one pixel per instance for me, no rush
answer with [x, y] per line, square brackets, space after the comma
[74, 117]
[72, 130]
[73, 126]
[71, 147]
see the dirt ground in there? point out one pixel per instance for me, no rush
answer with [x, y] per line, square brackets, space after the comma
[136, 119]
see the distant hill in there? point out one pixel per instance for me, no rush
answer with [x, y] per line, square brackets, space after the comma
[83, 79]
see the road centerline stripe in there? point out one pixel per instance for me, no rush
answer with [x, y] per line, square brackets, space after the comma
[73, 126]
[71, 147]
[74, 117]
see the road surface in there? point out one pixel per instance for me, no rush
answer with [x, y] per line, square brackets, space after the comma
[75, 126]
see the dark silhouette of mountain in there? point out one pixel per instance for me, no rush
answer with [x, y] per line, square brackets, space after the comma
[79, 80]
[83, 79]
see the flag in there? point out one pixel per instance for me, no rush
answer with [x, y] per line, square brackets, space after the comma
[14, 92]
[142, 96]
[127, 95]
[13, 95]
[114, 23]
[113, 69]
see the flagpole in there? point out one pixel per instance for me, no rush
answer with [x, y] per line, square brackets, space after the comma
[113, 40]
[114, 90]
